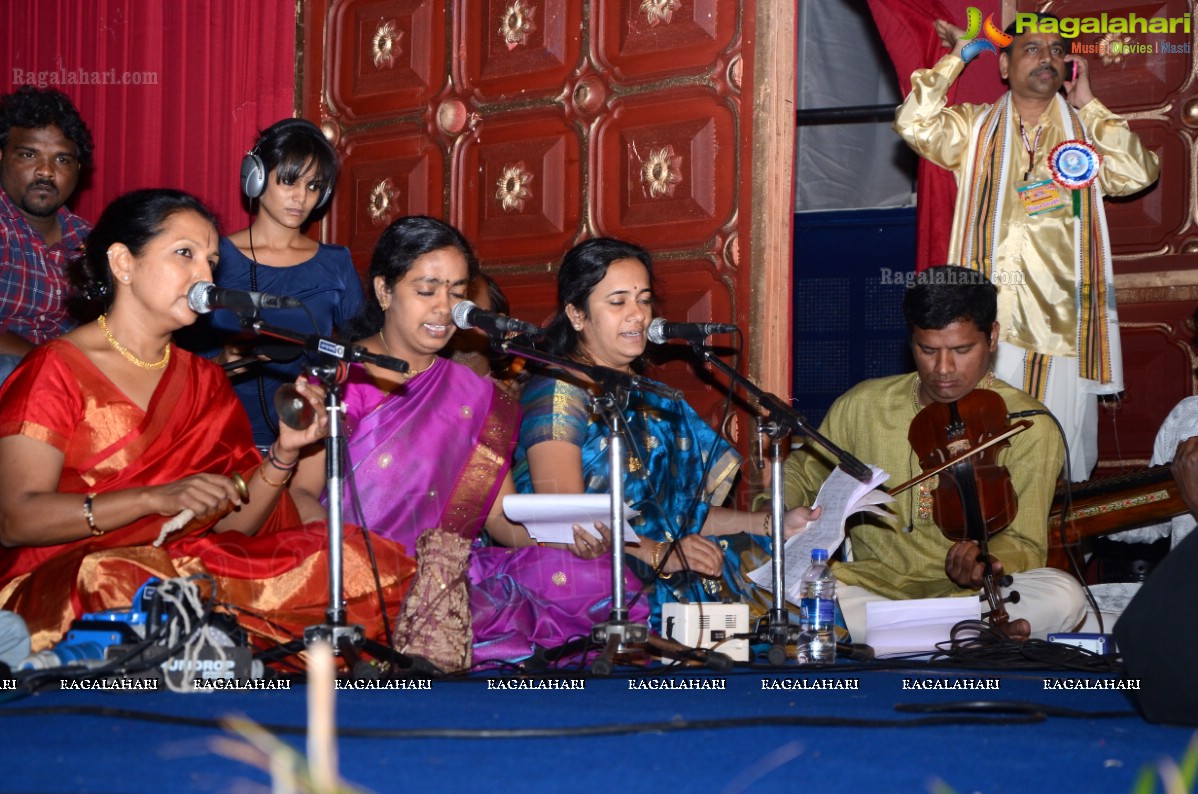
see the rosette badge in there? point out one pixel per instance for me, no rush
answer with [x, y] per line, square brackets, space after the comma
[1074, 164]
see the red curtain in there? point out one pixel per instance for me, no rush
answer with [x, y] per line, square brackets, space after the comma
[906, 30]
[184, 87]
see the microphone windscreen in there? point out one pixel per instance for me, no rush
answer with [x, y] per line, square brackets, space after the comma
[461, 314]
[197, 297]
[656, 331]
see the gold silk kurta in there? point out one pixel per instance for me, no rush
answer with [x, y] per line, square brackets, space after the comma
[871, 421]
[1033, 261]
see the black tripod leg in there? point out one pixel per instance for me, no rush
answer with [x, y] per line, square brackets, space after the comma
[676, 651]
[359, 668]
[403, 663]
[545, 658]
[606, 660]
[777, 652]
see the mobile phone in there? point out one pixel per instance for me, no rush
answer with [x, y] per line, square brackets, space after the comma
[1070, 71]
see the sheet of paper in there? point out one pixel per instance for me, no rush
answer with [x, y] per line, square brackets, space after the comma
[550, 518]
[897, 628]
[841, 496]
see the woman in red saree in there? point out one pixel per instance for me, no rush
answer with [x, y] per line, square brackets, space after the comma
[109, 431]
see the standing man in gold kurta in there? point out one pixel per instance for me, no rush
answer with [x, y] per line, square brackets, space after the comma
[1024, 218]
[950, 314]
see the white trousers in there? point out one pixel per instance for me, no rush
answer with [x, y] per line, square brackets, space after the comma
[1050, 600]
[1070, 398]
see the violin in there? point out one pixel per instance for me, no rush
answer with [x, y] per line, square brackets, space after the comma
[974, 497]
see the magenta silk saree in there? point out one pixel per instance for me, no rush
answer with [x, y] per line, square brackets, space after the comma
[431, 456]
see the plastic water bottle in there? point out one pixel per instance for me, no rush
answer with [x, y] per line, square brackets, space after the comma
[819, 611]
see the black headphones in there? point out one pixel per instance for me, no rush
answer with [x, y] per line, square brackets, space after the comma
[254, 171]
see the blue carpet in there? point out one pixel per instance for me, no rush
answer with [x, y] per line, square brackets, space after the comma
[748, 738]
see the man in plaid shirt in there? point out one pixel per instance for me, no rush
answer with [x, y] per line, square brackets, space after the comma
[44, 146]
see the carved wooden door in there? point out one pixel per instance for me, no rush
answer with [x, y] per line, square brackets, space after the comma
[1154, 235]
[534, 124]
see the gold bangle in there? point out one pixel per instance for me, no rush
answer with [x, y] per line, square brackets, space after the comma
[272, 484]
[239, 483]
[657, 556]
[769, 521]
[89, 516]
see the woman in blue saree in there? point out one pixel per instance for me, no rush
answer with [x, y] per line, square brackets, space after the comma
[679, 470]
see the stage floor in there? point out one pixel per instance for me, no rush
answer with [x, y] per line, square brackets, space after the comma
[854, 727]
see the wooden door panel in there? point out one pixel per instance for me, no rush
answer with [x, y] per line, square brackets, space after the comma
[384, 176]
[519, 48]
[693, 290]
[651, 38]
[385, 57]
[518, 188]
[1157, 342]
[1131, 80]
[665, 160]
[1147, 222]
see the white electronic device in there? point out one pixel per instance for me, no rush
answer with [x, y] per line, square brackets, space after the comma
[720, 627]
[1095, 643]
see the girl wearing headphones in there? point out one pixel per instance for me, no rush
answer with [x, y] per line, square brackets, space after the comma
[289, 176]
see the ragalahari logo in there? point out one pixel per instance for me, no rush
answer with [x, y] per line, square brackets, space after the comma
[993, 38]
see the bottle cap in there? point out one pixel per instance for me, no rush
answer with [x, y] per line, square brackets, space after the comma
[820, 555]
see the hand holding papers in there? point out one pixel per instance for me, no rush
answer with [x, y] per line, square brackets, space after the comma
[841, 496]
[550, 518]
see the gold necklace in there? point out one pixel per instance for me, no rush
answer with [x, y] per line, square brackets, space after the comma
[409, 374]
[125, 354]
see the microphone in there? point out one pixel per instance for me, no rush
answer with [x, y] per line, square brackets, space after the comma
[204, 296]
[660, 331]
[466, 315]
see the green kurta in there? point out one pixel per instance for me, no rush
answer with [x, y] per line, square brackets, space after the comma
[871, 422]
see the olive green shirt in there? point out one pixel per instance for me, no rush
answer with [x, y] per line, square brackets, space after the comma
[871, 421]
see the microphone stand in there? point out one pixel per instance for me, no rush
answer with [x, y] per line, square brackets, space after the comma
[345, 639]
[779, 421]
[618, 634]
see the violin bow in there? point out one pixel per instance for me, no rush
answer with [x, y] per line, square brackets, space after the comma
[1014, 429]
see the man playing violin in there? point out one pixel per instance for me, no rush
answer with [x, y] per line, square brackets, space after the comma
[950, 314]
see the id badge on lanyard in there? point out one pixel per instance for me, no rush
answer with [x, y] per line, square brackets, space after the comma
[1040, 197]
